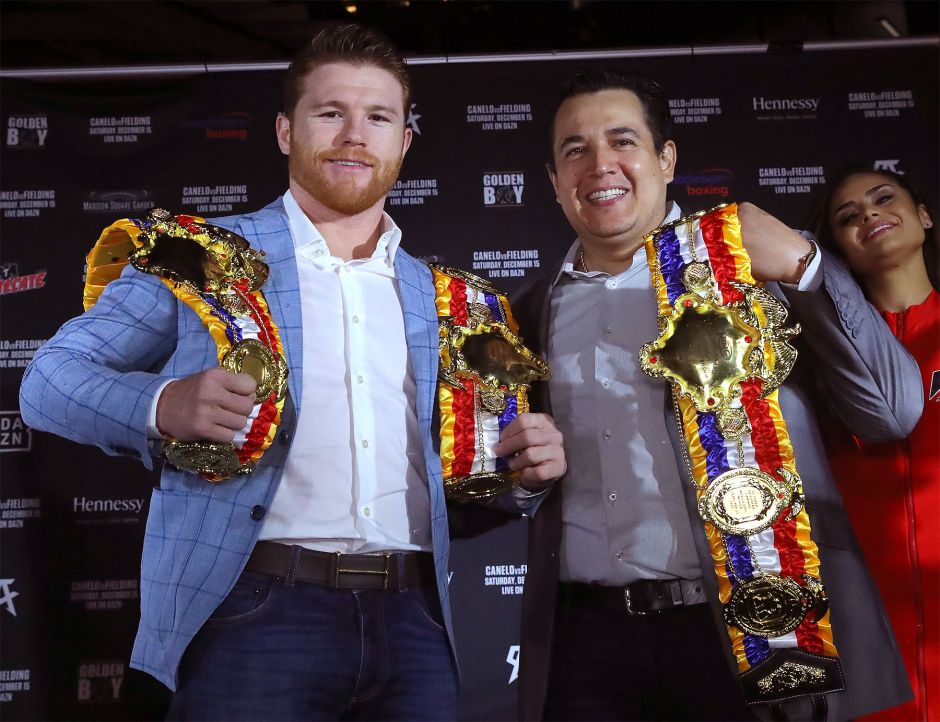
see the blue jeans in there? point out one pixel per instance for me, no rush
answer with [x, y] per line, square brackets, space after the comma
[306, 652]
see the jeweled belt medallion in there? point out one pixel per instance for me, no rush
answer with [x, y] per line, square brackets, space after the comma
[217, 274]
[485, 373]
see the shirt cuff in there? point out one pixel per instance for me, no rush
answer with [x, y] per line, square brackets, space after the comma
[152, 431]
[525, 498]
[811, 279]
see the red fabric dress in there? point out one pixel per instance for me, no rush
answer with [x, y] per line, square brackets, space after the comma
[892, 495]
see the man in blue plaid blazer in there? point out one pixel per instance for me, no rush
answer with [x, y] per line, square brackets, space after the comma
[292, 626]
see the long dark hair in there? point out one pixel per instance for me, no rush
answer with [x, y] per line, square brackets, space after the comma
[822, 225]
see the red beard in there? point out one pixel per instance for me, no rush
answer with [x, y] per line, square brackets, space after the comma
[344, 196]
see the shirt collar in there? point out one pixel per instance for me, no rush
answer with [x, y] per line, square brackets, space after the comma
[309, 242]
[568, 264]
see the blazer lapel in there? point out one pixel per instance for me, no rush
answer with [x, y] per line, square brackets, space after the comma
[416, 287]
[268, 231]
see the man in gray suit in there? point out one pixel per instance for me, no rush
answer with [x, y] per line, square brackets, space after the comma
[624, 615]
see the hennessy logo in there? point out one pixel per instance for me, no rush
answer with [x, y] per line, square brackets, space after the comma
[934, 394]
[84, 505]
[765, 104]
[7, 594]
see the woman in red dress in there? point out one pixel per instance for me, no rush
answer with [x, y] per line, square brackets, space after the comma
[877, 223]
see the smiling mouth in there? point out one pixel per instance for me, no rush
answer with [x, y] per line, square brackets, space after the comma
[878, 230]
[350, 163]
[606, 194]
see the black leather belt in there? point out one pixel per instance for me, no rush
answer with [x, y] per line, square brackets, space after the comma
[647, 596]
[393, 572]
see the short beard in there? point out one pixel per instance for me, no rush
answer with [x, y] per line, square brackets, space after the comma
[344, 196]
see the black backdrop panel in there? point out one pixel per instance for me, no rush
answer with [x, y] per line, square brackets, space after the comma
[473, 192]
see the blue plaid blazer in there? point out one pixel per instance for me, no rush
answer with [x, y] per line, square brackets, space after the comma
[94, 383]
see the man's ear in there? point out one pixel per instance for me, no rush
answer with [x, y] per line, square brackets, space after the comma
[406, 141]
[282, 131]
[667, 160]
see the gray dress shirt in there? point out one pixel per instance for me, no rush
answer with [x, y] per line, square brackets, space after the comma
[624, 516]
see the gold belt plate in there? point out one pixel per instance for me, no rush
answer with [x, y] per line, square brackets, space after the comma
[746, 501]
[771, 606]
[269, 370]
[206, 457]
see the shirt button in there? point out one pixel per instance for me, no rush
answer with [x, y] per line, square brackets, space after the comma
[611, 284]
[365, 443]
[607, 331]
[345, 269]
[318, 252]
[360, 379]
[607, 435]
[355, 318]
[257, 512]
[367, 511]
[605, 383]
[612, 496]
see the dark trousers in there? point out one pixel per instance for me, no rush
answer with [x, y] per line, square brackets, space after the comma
[607, 665]
[274, 651]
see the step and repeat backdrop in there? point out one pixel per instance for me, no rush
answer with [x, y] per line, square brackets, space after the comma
[77, 154]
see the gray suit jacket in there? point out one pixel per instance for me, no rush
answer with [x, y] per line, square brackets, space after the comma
[871, 383]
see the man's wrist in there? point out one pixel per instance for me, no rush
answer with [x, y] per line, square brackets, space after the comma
[526, 497]
[804, 263]
[153, 431]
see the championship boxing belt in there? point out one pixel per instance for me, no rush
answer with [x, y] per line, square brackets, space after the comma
[219, 276]
[485, 372]
[725, 351]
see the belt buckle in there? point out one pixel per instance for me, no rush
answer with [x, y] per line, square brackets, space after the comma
[384, 571]
[630, 610]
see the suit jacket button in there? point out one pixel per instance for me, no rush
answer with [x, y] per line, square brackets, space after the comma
[258, 512]
[285, 437]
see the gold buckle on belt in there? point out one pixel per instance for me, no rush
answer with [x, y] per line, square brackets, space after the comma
[384, 571]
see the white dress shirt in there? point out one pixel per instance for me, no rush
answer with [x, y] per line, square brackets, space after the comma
[354, 480]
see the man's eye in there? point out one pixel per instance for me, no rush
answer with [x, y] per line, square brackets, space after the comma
[624, 142]
[379, 118]
[576, 150]
[330, 114]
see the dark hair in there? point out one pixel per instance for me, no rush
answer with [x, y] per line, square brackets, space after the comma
[594, 80]
[344, 43]
[821, 223]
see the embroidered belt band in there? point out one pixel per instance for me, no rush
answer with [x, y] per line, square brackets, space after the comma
[219, 276]
[485, 372]
[724, 349]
